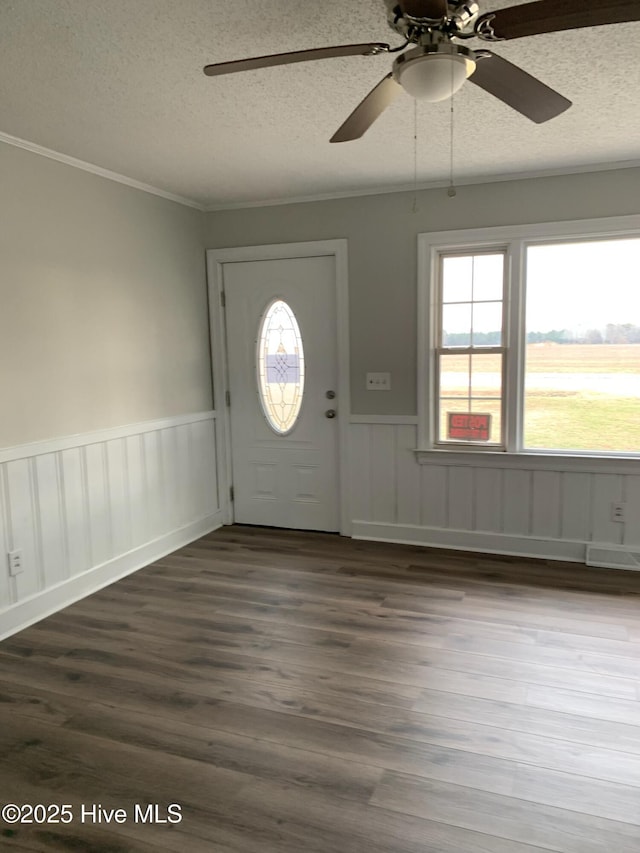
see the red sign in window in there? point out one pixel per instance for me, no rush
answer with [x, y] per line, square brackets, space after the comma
[469, 427]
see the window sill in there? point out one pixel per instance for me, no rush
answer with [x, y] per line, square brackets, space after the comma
[531, 461]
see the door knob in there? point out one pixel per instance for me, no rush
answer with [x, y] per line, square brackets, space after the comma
[330, 413]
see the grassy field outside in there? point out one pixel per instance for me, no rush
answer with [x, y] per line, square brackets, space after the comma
[577, 396]
[583, 358]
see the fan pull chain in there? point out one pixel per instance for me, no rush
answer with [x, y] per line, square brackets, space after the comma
[415, 156]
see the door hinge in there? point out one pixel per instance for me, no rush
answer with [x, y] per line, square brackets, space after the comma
[227, 397]
[231, 493]
[223, 299]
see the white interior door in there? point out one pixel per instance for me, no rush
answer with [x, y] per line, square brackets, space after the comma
[283, 391]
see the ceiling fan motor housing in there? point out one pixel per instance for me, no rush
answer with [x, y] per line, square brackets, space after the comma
[459, 15]
[434, 72]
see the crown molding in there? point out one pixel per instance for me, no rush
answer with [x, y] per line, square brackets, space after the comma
[34, 148]
[96, 170]
[429, 185]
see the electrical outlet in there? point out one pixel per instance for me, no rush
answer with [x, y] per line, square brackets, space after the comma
[15, 563]
[618, 512]
[378, 382]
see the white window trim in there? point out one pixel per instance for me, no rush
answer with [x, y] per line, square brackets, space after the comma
[504, 349]
[517, 238]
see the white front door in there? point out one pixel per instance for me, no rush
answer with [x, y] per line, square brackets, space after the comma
[281, 332]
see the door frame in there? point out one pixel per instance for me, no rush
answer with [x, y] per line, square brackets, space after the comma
[216, 258]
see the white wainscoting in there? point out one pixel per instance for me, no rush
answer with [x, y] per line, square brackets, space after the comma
[88, 509]
[529, 510]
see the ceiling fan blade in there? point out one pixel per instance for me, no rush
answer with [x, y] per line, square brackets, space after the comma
[367, 49]
[519, 90]
[368, 110]
[550, 16]
[433, 9]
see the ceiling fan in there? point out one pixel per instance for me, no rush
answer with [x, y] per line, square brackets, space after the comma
[439, 63]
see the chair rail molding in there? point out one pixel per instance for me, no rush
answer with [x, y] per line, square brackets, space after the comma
[87, 509]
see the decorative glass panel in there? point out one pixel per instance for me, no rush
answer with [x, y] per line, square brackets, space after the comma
[280, 367]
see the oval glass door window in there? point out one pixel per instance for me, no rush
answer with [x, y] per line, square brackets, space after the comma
[280, 367]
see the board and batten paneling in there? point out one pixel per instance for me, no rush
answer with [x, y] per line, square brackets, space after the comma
[520, 508]
[88, 509]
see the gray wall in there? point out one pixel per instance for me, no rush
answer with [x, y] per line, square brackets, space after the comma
[103, 309]
[382, 230]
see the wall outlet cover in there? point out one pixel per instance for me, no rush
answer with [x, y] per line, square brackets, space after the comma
[618, 511]
[15, 563]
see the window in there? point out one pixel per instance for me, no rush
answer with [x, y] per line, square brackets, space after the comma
[470, 348]
[531, 339]
[280, 367]
[582, 352]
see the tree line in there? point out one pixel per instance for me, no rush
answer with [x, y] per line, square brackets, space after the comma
[613, 333]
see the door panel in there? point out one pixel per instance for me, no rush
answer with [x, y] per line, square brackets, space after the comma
[288, 480]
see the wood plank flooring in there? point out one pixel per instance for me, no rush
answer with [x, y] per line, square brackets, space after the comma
[304, 693]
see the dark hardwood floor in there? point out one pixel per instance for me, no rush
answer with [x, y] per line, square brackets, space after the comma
[303, 693]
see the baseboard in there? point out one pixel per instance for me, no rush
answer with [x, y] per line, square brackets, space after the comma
[466, 540]
[49, 601]
[613, 557]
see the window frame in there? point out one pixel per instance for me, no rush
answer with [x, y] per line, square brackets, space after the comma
[514, 240]
[439, 349]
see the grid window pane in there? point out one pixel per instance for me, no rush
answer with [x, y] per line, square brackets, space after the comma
[455, 375]
[494, 408]
[486, 375]
[456, 325]
[457, 276]
[487, 323]
[488, 277]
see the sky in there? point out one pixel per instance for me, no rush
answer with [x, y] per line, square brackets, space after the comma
[576, 286]
[585, 285]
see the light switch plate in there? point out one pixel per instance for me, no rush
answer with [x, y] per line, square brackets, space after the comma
[378, 382]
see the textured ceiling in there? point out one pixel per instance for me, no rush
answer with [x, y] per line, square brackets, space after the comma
[119, 84]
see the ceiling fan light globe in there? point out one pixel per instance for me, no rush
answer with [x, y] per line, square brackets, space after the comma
[435, 76]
